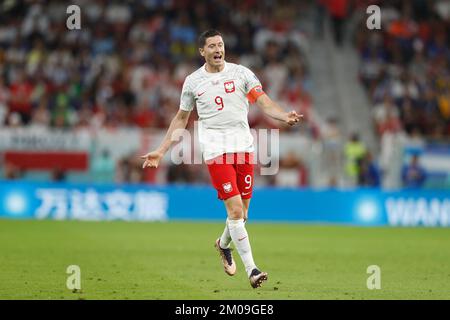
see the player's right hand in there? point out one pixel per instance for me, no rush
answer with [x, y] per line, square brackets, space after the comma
[152, 159]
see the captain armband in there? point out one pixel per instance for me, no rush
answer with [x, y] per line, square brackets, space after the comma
[254, 94]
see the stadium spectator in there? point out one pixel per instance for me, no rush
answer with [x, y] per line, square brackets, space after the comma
[103, 167]
[386, 116]
[14, 120]
[368, 172]
[180, 173]
[128, 170]
[354, 150]
[58, 175]
[331, 156]
[4, 100]
[413, 174]
[11, 171]
[319, 19]
[338, 10]
[292, 172]
[21, 92]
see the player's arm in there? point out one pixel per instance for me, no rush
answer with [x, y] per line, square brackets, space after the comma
[273, 110]
[153, 158]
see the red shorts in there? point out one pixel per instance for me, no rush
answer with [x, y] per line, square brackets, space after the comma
[232, 174]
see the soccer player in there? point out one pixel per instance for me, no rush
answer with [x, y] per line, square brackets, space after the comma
[221, 92]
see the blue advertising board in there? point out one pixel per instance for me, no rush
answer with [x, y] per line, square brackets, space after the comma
[368, 207]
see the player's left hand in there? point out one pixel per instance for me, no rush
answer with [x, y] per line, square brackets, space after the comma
[152, 159]
[293, 118]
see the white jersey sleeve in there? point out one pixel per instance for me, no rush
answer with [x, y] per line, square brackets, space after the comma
[250, 79]
[187, 101]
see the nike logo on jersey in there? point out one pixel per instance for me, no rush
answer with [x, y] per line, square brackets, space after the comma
[201, 93]
[240, 239]
[245, 193]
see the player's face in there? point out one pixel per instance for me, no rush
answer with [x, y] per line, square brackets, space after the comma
[214, 52]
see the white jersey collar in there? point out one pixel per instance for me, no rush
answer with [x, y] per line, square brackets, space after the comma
[210, 74]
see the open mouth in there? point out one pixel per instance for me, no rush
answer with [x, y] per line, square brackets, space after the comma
[217, 57]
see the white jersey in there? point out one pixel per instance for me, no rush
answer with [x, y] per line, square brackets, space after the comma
[222, 107]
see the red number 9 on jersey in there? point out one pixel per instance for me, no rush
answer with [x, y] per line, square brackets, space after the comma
[219, 102]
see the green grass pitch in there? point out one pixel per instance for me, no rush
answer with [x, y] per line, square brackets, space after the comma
[177, 260]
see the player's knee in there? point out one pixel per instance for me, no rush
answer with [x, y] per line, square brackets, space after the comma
[236, 212]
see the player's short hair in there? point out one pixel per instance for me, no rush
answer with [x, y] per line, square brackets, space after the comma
[205, 35]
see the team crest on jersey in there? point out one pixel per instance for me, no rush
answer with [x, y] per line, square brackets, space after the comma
[227, 187]
[229, 86]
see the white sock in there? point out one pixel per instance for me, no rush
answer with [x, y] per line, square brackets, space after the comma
[225, 239]
[240, 238]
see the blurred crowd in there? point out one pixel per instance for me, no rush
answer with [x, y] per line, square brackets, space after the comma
[406, 68]
[126, 65]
